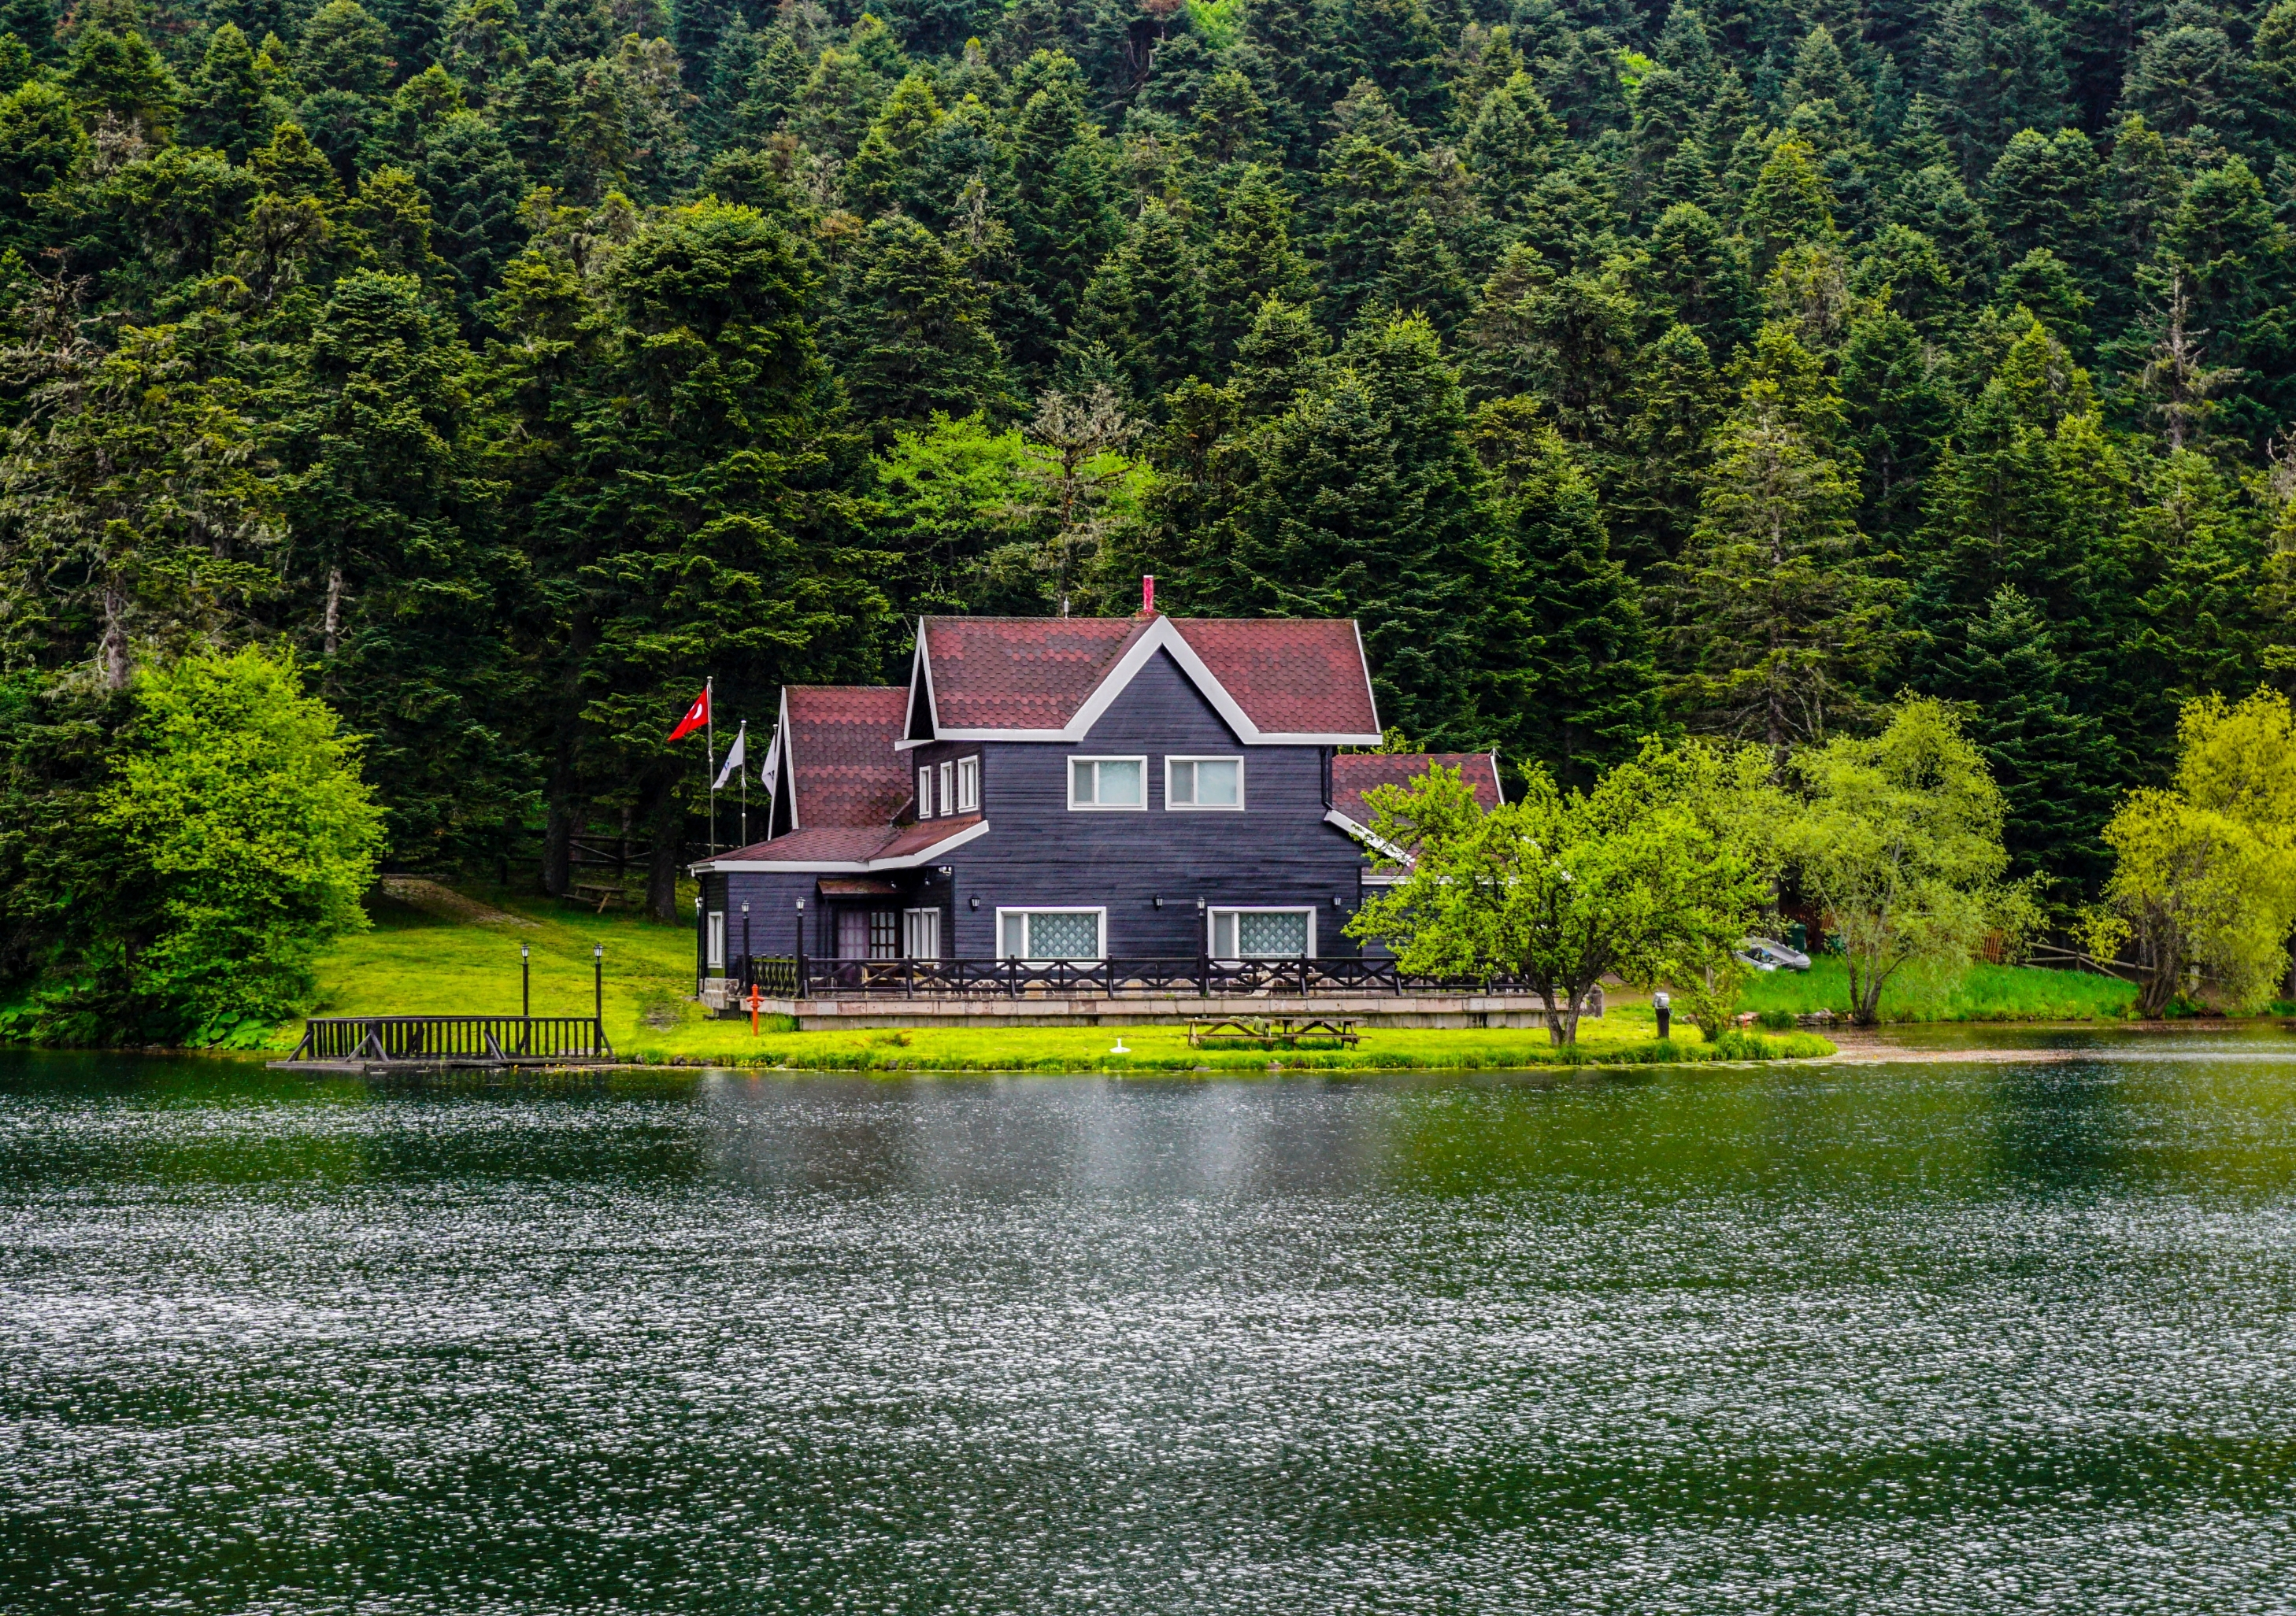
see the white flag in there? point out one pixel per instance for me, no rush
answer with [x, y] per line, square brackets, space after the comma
[771, 774]
[733, 759]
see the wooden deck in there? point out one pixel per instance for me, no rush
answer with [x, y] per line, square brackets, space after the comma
[380, 1046]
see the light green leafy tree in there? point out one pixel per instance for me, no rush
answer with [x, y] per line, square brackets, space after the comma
[241, 801]
[1633, 876]
[1899, 842]
[2205, 881]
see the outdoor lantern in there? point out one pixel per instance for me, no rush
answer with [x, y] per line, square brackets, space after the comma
[974, 900]
[1199, 906]
[1157, 899]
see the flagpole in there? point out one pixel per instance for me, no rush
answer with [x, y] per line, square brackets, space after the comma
[710, 757]
[743, 743]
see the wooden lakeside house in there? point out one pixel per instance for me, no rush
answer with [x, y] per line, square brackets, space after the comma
[1067, 791]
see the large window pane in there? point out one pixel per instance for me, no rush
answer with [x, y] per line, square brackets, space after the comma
[1263, 934]
[1063, 936]
[1122, 783]
[1220, 783]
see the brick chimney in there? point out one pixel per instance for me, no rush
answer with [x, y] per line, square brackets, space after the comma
[1147, 594]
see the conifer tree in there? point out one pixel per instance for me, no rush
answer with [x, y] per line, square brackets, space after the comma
[1776, 618]
[223, 105]
[1363, 499]
[1251, 259]
[912, 333]
[1569, 654]
[1146, 304]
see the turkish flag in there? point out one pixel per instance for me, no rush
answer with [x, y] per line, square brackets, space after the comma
[696, 715]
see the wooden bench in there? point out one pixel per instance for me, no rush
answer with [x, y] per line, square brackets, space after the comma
[605, 897]
[1286, 1031]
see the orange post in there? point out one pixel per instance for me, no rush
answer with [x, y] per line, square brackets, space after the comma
[756, 1003]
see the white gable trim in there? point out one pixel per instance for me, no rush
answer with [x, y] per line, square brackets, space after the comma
[1164, 635]
[785, 780]
[846, 867]
[1370, 694]
[1361, 833]
[920, 662]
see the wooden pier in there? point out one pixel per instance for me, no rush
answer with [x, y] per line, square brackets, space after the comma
[381, 1045]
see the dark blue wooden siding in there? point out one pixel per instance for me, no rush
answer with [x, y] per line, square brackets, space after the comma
[1038, 852]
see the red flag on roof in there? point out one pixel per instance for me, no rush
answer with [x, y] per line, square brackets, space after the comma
[696, 716]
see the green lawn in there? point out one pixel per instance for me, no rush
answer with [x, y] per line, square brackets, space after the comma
[1985, 993]
[411, 964]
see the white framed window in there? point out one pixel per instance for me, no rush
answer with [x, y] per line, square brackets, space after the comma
[1108, 783]
[716, 947]
[924, 793]
[968, 784]
[1051, 933]
[1261, 933]
[1192, 783]
[947, 788]
[920, 934]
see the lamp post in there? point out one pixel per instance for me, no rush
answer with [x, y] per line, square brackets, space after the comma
[745, 942]
[526, 980]
[598, 985]
[797, 989]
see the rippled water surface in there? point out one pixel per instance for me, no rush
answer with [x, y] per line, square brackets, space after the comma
[1946, 1337]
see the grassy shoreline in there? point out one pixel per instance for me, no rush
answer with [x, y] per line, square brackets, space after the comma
[415, 962]
[1146, 1048]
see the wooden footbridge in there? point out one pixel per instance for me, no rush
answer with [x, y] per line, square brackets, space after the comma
[378, 1046]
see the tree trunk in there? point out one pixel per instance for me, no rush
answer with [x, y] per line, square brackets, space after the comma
[331, 626]
[668, 821]
[562, 815]
[114, 647]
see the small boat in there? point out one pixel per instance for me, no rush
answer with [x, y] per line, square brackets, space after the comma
[1768, 954]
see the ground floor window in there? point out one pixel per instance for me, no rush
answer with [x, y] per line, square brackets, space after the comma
[1263, 934]
[921, 934]
[717, 956]
[1049, 934]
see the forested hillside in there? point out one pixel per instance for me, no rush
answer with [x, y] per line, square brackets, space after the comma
[1622, 369]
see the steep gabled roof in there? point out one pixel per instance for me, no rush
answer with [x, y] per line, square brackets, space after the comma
[1293, 682]
[838, 756]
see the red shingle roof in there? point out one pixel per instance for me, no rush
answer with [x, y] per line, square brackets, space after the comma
[841, 742]
[1355, 772]
[1020, 672]
[1293, 676]
[1288, 676]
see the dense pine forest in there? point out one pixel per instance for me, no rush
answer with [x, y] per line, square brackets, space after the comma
[503, 372]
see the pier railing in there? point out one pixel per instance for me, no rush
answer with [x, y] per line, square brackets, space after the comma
[472, 1039]
[782, 976]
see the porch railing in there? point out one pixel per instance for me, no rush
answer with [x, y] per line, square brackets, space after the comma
[782, 977]
[489, 1039]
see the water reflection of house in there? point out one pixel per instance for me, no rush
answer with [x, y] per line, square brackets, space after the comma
[1073, 788]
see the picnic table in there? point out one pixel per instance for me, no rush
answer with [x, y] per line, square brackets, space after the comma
[1265, 1030]
[602, 896]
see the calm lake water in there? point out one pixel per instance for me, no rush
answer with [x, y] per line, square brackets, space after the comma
[1937, 1338]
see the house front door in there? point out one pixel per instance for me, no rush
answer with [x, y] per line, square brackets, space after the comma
[868, 934]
